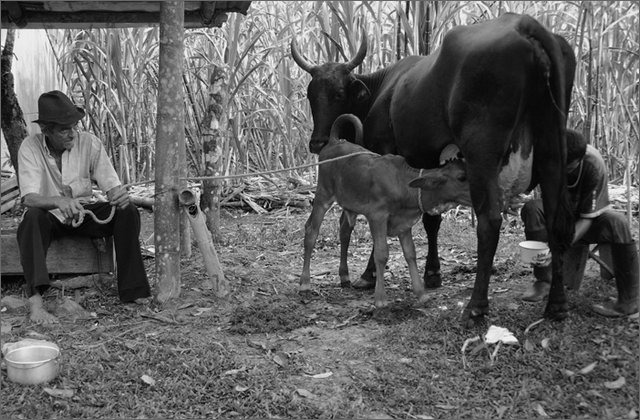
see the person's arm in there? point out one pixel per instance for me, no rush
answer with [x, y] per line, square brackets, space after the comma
[105, 175]
[70, 207]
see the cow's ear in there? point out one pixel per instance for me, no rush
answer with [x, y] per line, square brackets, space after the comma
[359, 91]
[430, 181]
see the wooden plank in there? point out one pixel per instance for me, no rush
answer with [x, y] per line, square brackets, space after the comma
[69, 255]
[9, 184]
[7, 205]
[11, 195]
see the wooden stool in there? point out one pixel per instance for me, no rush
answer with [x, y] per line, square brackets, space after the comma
[575, 262]
[67, 255]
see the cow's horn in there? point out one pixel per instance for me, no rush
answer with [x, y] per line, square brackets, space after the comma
[362, 51]
[304, 64]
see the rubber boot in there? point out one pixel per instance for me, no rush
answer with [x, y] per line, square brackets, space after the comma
[625, 268]
[540, 288]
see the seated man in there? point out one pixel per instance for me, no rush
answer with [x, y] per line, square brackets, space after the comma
[56, 169]
[596, 222]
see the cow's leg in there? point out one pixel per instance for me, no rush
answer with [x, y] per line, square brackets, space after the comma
[381, 256]
[311, 229]
[409, 251]
[487, 203]
[557, 307]
[432, 278]
[347, 222]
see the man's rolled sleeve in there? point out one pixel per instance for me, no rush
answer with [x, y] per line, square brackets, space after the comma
[29, 172]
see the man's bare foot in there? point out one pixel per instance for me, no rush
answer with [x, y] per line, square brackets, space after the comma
[142, 301]
[38, 314]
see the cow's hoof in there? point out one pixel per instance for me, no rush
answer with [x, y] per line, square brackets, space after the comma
[432, 279]
[556, 311]
[364, 284]
[423, 299]
[304, 287]
[381, 303]
[474, 315]
[345, 284]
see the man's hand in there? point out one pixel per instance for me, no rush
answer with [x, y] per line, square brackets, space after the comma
[118, 196]
[70, 207]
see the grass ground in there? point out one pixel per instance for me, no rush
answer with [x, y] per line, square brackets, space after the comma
[269, 352]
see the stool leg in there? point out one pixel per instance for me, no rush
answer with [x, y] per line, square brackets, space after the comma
[606, 270]
[575, 261]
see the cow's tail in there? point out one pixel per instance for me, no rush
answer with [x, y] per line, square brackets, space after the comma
[557, 62]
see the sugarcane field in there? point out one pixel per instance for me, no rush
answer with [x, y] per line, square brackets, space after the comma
[319, 209]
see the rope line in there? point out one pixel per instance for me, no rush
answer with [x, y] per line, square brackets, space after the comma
[76, 223]
[273, 171]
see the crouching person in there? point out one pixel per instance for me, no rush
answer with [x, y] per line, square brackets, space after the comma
[56, 169]
[596, 222]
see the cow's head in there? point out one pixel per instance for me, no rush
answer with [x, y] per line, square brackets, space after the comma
[333, 90]
[444, 187]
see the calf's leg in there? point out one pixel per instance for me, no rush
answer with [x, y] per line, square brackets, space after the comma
[347, 223]
[311, 229]
[381, 256]
[432, 277]
[409, 251]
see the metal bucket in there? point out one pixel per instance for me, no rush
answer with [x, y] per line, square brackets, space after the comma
[33, 364]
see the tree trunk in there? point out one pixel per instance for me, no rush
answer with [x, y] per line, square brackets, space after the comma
[13, 124]
[170, 139]
[213, 128]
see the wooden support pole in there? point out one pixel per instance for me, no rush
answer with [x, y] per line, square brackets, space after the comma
[169, 140]
[205, 242]
[214, 129]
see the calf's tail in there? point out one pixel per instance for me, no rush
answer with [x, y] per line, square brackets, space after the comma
[338, 127]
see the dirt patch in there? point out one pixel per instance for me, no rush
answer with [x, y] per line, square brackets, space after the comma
[268, 351]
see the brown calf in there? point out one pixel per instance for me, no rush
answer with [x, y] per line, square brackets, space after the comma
[388, 192]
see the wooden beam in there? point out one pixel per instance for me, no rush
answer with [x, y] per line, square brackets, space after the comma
[111, 14]
[169, 140]
[111, 6]
[83, 20]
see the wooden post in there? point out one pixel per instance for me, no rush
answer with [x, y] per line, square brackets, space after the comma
[169, 141]
[211, 262]
[213, 128]
[13, 125]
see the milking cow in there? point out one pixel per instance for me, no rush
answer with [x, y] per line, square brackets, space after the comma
[500, 91]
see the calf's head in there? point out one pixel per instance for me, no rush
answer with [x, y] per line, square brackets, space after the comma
[333, 90]
[444, 187]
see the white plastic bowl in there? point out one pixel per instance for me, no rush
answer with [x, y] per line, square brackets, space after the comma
[33, 364]
[530, 251]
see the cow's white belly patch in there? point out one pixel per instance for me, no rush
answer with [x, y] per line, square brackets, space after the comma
[515, 177]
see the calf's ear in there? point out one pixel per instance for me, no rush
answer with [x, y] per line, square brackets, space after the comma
[358, 91]
[430, 181]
